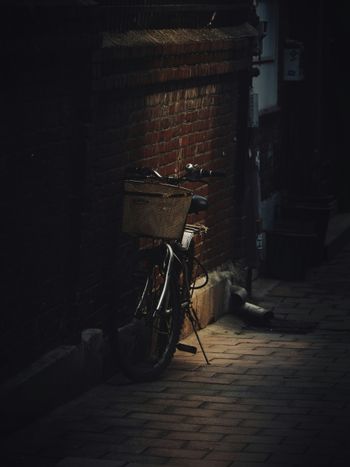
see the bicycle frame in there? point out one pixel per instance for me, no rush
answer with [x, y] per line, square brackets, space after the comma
[181, 252]
[170, 254]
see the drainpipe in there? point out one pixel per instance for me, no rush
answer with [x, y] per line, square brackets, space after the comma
[252, 186]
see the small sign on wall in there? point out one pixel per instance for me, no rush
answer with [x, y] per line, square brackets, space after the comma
[293, 69]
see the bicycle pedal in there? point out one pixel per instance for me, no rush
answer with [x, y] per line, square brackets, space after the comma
[187, 348]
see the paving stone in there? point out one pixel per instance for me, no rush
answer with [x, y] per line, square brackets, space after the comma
[144, 459]
[197, 463]
[178, 453]
[169, 426]
[85, 462]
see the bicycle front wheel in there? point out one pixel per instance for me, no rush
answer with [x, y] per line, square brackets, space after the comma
[148, 339]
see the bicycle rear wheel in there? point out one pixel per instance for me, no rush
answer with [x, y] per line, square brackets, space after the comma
[147, 341]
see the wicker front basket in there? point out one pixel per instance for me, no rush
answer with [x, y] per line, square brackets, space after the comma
[155, 210]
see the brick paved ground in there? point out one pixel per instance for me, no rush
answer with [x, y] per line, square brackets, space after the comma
[268, 397]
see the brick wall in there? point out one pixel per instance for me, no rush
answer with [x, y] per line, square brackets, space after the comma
[41, 158]
[166, 130]
[171, 105]
[75, 122]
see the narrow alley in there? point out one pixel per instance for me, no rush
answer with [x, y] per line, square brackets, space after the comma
[269, 396]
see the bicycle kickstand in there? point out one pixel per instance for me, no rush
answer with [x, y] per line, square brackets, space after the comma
[194, 321]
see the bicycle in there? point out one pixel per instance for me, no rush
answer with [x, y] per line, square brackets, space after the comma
[165, 273]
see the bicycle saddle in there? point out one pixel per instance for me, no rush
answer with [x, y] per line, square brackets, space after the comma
[198, 203]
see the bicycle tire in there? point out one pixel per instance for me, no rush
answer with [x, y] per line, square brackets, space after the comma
[146, 343]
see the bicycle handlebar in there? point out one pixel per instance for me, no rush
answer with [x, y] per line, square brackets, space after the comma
[142, 172]
[193, 173]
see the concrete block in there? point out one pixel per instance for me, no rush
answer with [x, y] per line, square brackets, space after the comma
[55, 378]
[92, 343]
[213, 300]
